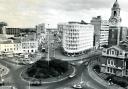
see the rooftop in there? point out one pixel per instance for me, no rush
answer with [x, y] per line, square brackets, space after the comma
[74, 22]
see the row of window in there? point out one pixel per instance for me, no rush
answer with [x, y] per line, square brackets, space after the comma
[76, 26]
[110, 70]
[27, 47]
[110, 62]
[28, 51]
[72, 33]
[11, 49]
[112, 52]
[78, 46]
[72, 37]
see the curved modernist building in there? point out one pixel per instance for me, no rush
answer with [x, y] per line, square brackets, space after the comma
[77, 38]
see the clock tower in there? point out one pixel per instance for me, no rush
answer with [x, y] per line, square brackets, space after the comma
[114, 25]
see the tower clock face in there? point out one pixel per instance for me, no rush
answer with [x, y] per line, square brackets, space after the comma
[114, 21]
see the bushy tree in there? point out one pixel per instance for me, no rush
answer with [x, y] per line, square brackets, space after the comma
[45, 69]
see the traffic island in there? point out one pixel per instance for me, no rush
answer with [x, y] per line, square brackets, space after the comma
[44, 71]
[3, 71]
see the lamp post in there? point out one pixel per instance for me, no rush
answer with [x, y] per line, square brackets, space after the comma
[2, 80]
[29, 84]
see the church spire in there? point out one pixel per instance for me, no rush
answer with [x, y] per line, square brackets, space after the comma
[115, 18]
[116, 5]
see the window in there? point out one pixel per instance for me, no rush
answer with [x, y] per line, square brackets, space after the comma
[112, 52]
[115, 13]
[126, 72]
[108, 69]
[108, 61]
[120, 53]
[112, 62]
[107, 51]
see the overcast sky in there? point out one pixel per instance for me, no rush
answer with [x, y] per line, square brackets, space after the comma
[28, 13]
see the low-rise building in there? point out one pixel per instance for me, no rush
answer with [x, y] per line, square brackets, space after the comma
[11, 46]
[19, 45]
[114, 60]
[17, 31]
[29, 45]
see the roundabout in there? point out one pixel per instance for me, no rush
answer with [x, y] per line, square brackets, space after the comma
[43, 72]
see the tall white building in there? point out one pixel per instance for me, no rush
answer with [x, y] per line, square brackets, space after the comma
[77, 38]
[104, 32]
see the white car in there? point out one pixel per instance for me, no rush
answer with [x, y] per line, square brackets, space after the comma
[72, 75]
[77, 86]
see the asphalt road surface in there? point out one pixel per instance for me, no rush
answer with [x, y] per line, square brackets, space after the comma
[82, 73]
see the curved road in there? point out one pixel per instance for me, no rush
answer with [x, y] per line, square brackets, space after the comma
[82, 73]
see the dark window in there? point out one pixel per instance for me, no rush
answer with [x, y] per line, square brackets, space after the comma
[115, 13]
[107, 51]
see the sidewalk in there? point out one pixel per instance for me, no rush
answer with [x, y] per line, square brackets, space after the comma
[100, 80]
[60, 55]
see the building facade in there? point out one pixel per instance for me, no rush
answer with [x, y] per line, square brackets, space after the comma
[77, 37]
[40, 28]
[60, 28]
[11, 46]
[104, 32]
[29, 45]
[19, 46]
[123, 33]
[96, 21]
[114, 25]
[17, 31]
[114, 60]
[101, 31]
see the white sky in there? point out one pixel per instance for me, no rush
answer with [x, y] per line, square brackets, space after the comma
[28, 13]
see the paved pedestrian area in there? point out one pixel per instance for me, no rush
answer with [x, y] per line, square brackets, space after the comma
[60, 55]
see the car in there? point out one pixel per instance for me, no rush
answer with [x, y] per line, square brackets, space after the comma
[77, 86]
[73, 63]
[80, 62]
[72, 75]
[36, 83]
[86, 63]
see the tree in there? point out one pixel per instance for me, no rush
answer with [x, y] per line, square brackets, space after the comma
[3, 24]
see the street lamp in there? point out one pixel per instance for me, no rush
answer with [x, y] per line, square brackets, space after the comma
[2, 82]
[29, 84]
